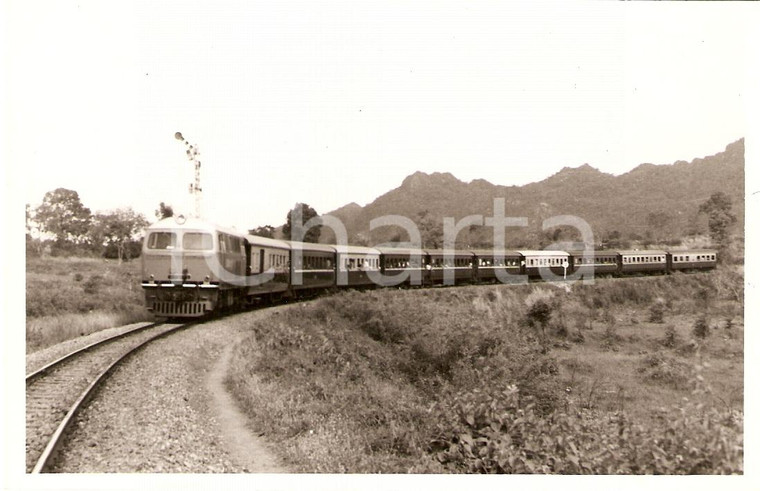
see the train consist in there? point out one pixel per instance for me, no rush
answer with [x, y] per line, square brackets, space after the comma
[191, 268]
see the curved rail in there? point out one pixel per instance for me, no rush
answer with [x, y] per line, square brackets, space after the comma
[53, 444]
[55, 363]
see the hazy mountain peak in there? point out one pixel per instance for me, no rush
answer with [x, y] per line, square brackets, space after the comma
[422, 179]
[584, 172]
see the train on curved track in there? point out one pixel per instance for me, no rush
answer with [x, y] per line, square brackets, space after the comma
[192, 268]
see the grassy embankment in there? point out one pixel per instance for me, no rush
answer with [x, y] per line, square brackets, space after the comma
[70, 297]
[609, 378]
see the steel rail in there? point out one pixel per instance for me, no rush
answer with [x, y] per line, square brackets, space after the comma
[53, 364]
[56, 439]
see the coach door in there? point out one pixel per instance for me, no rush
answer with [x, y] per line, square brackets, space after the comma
[261, 260]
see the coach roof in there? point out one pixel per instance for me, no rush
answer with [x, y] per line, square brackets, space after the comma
[255, 240]
[637, 252]
[544, 253]
[349, 249]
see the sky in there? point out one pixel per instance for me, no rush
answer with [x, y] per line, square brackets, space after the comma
[333, 103]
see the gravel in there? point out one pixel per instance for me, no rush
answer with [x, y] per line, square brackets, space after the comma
[158, 413]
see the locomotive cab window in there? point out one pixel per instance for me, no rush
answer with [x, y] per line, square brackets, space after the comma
[162, 240]
[197, 241]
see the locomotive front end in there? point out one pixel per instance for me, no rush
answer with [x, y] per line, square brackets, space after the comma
[183, 271]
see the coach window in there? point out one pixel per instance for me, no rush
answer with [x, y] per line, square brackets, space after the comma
[162, 240]
[193, 241]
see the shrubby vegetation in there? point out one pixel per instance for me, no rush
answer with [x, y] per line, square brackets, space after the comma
[530, 379]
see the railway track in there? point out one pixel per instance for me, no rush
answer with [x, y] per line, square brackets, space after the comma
[56, 392]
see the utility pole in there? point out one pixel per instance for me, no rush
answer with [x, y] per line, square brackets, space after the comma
[195, 187]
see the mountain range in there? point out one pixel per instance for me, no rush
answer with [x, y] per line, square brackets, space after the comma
[651, 202]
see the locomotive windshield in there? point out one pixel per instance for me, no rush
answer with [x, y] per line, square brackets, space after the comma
[197, 241]
[162, 240]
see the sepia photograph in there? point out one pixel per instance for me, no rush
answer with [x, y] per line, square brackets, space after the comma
[354, 245]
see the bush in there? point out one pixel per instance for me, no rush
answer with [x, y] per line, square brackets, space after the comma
[540, 307]
[92, 285]
[671, 337]
[664, 369]
[657, 311]
[502, 433]
[701, 327]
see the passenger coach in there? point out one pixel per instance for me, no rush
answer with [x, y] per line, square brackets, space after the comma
[692, 260]
[357, 265]
[642, 261]
[312, 267]
[558, 262]
[269, 264]
[402, 266]
[596, 262]
[493, 265]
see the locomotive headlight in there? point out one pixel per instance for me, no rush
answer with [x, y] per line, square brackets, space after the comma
[152, 278]
[206, 279]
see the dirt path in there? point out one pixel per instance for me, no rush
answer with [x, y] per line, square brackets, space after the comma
[247, 449]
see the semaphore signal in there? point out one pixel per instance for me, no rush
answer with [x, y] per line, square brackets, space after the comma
[193, 153]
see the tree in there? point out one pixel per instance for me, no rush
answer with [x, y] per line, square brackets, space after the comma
[659, 225]
[63, 215]
[719, 218]
[307, 213]
[33, 244]
[118, 230]
[431, 232]
[265, 231]
[164, 211]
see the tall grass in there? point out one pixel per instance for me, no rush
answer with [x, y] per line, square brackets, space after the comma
[42, 332]
[70, 297]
